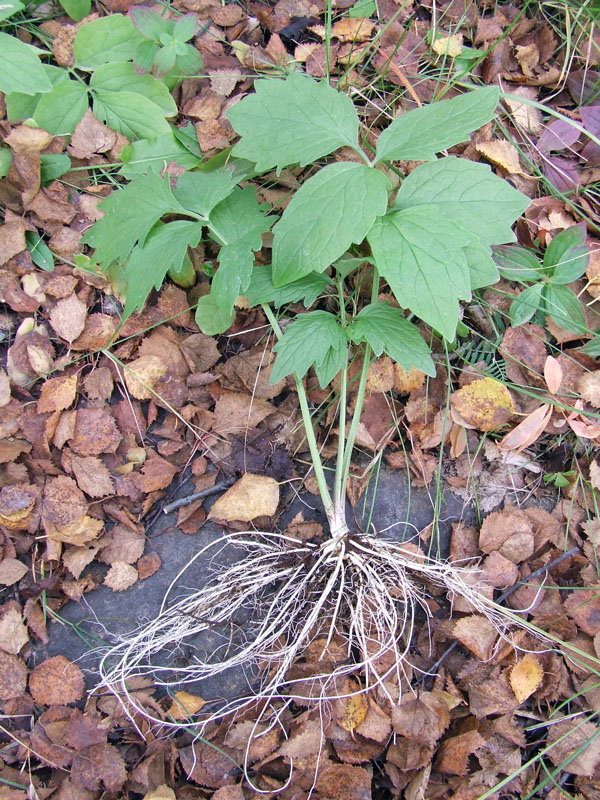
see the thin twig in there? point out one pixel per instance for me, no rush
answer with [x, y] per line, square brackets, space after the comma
[185, 501]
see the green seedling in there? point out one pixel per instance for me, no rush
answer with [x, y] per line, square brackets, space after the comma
[165, 49]
[565, 260]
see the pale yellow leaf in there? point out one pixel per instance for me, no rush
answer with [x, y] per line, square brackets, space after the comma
[448, 45]
[250, 497]
[525, 677]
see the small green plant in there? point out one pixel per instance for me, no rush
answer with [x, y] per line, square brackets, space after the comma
[565, 260]
[165, 47]
[427, 241]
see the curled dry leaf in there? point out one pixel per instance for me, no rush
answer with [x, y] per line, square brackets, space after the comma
[56, 682]
[525, 677]
[528, 430]
[251, 497]
[552, 374]
[13, 633]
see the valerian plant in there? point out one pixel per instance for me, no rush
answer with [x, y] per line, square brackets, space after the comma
[428, 237]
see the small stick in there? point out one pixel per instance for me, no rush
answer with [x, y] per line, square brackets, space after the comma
[502, 597]
[185, 501]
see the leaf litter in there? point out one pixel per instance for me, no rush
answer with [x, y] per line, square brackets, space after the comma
[91, 440]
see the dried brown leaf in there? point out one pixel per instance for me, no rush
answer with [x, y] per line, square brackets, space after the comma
[91, 136]
[477, 634]
[68, 317]
[13, 633]
[92, 476]
[95, 432]
[56, 681]
[57, 394]
[13, 676]
[11, 571]
[120, 576]
[580, 735]
[453, 755]
[96, 765]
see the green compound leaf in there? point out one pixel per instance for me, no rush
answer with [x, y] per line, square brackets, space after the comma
[105, 40]
[564, 308]
[517, 263]
[314, 338]
[461, 190]
[164, 248]
[153, 155]
[130, 114]
[332, 210]
[524, 306]
[130, 214]
[121, 76]
[420, 254]
[200, 192]
[238, 222]
[20, 67]
[306, 290]
[418, 135]
[568, 254]
[295, 121]
[59, 111]
[210, 318]
[385, 329]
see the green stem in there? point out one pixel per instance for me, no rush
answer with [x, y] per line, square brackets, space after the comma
[306, 418]
[360, 397]
[338, 485]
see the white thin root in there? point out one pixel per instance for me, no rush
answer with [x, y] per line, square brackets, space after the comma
[284, 594]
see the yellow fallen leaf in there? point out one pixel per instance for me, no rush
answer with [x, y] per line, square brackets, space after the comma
[250, 497]
[448, 45]
[503, 154]
[485, 404]
[142, 374]
[162, 792]
[526, 676]
[355, 711]
[185, 705]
